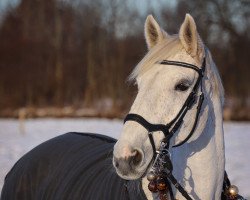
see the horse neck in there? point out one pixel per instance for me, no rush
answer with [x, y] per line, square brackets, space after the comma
[199, 165]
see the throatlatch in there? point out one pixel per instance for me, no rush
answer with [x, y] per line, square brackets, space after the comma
[161, 175]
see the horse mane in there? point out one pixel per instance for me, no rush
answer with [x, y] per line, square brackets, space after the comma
[214, 77]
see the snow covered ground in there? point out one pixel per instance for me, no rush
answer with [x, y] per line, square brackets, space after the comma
[18, 138]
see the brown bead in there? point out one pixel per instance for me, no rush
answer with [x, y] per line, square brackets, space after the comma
[152, 186]
[161, 184]
[163, 195]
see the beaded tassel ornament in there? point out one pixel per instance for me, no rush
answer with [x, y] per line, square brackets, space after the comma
[158, 182]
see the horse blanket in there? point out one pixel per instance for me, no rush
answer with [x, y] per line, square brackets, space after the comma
[73, 166]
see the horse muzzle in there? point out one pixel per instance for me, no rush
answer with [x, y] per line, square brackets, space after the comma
[128, 162]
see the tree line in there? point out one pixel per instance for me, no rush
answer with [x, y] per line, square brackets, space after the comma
[79, 53]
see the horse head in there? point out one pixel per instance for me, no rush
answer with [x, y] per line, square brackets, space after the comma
[175, 68]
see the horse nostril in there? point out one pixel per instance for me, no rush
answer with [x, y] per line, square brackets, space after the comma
[129, 162]
[116, 164]
[136, 158]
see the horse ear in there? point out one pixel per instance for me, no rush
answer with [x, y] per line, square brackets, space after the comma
[190, 38]
[153, 32]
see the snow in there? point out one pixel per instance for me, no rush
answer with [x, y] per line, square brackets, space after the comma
[17, 138]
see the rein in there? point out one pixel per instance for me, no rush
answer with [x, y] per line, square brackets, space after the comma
[161, 175]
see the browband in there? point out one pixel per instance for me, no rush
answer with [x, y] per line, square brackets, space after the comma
[182, 64]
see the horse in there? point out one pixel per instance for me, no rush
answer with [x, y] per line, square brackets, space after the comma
[166, 77]
[171, 145]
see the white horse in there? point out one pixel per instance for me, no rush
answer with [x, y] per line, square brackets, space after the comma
[199, 164]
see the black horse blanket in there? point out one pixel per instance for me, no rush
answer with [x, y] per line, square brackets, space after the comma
[73, 166]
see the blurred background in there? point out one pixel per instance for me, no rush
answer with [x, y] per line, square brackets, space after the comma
[71, 58]
[67, 59]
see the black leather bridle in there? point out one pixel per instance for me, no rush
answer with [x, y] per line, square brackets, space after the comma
[171, 128]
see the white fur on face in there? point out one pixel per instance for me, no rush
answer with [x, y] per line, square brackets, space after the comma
[158, 102]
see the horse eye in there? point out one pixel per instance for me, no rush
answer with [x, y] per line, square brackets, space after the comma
[181, 87]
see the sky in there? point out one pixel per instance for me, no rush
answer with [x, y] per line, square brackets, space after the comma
[139, 3]
[142, 5]
[4, 3]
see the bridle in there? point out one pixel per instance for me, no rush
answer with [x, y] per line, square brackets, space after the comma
[162, 166]
[170, 128]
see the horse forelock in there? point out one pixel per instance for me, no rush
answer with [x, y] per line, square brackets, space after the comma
[162, 51]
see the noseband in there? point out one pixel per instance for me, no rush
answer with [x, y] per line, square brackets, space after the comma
[162, 166]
